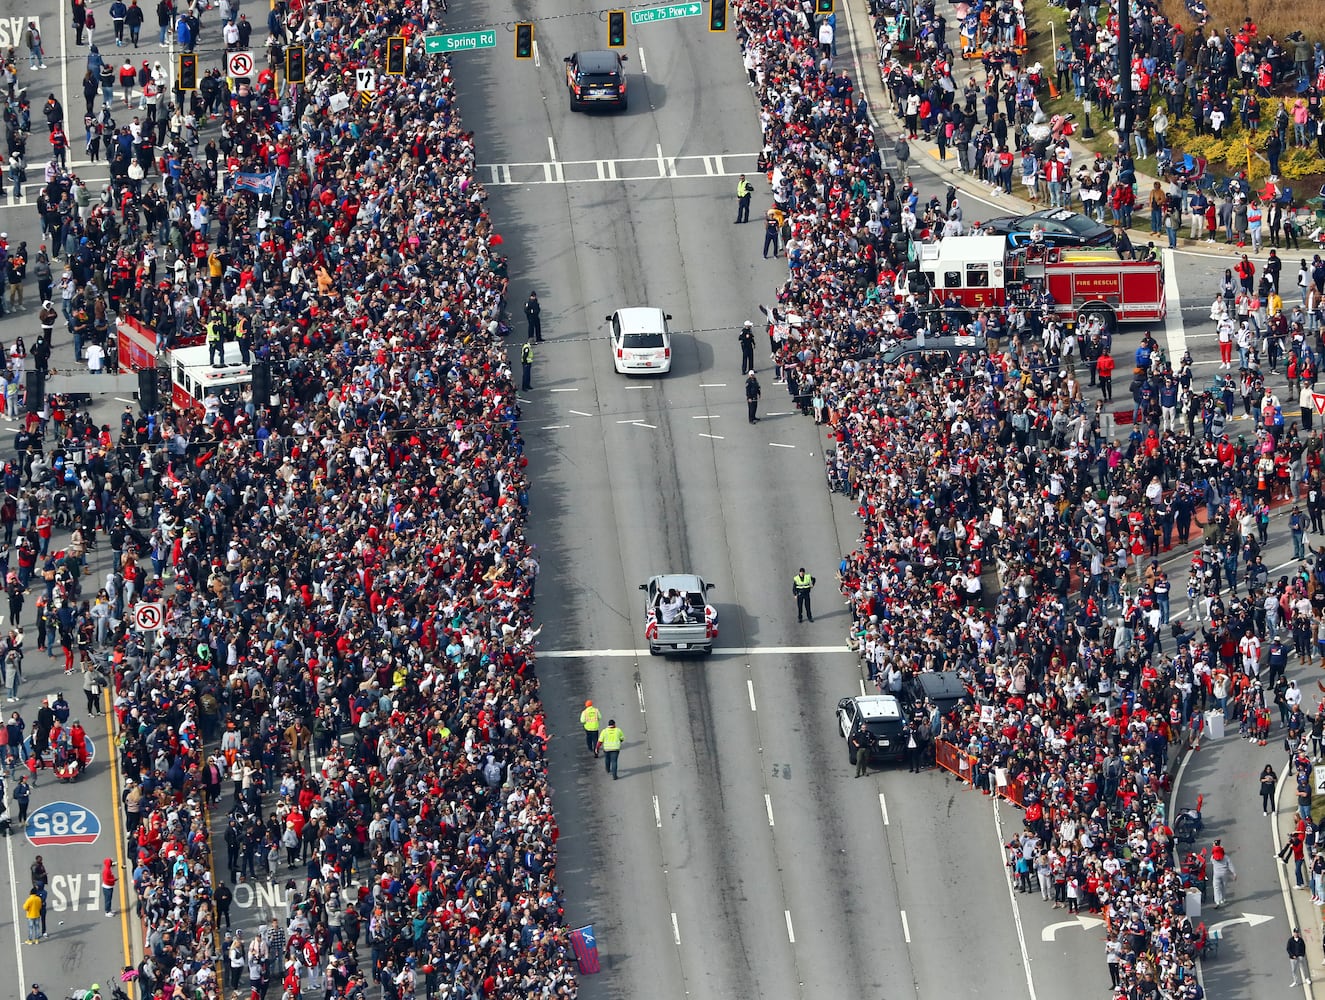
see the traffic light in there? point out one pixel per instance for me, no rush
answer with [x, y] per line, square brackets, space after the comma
[187, 77]
[717, 15]
[148, 399]
[294, 64]
[616, 29]
[524, 40]
[395, 55]
[824, 7]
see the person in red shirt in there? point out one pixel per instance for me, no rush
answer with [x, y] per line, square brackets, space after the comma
[1104, 366]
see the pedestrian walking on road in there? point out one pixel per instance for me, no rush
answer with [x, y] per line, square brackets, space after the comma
[526, 366]
[801, 585]
[108, 881]
[1268, 780]
[610, 744]
[532, 314]
[591, 719]
[32, 910]
[1297, 958]
[22, 795]
[744, 191]
[1221, 871]
[747, 342]
[772, 230]
[752, 394]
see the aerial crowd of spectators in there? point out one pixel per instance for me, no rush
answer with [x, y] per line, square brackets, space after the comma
[1202, 78]
[1015, 530]
[344, 680]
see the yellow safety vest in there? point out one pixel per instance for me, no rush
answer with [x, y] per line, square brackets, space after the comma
[802, 582]
[590, 719]
[744, 189]
[612, 738]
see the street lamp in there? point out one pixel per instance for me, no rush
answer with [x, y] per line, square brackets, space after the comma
[1087, 132]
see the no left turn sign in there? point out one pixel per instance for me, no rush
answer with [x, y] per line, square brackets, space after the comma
[147, 616]
[239, 64]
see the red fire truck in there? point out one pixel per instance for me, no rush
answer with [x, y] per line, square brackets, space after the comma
[1090, 287]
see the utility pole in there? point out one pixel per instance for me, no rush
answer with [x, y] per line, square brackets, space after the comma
[1125, 105]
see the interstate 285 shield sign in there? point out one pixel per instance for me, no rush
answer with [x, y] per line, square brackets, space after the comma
[61, 824]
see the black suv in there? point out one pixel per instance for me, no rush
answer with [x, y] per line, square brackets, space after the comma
[880, 715]
[945, 689]
[596, 79]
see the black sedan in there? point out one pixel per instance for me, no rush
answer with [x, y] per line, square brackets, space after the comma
[1062, 228]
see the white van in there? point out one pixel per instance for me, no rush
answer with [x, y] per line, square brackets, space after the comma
[641, 341]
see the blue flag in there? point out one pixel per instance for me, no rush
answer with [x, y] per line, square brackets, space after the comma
[257, 183]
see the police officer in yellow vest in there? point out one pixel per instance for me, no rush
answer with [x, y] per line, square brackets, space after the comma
[591, 719]
[215, 341]
[744, 189]
[610, 743]
[526, 366]
[801, 585]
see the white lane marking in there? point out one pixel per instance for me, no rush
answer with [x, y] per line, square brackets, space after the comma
[883, 806]
[662, 162]
[564, 390]
[584, 654]
[714, 437]
[906, 927]
[778, 413]
[637, 387]
[639, 693]
[555, 427]
[676, 931]
[581, 413]
[862, 686]
[1012, 898]
[1175, 332]
[750, 689]
[121, 399]
[643, 66]
[637, 423]
[632, 420]
[657, 813]
[774, 444]
[538, 61]
[768, 806]
[791, 931]
[705, 416]
[13, 896]
[713, 385]
[552, 148]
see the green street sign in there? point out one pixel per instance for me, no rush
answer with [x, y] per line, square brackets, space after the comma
[459, 42]
[650, 14]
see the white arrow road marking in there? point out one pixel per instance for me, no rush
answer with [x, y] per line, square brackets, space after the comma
[1250, 919]
[1084, 922]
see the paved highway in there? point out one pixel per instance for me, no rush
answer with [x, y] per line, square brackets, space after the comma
[736, 857]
